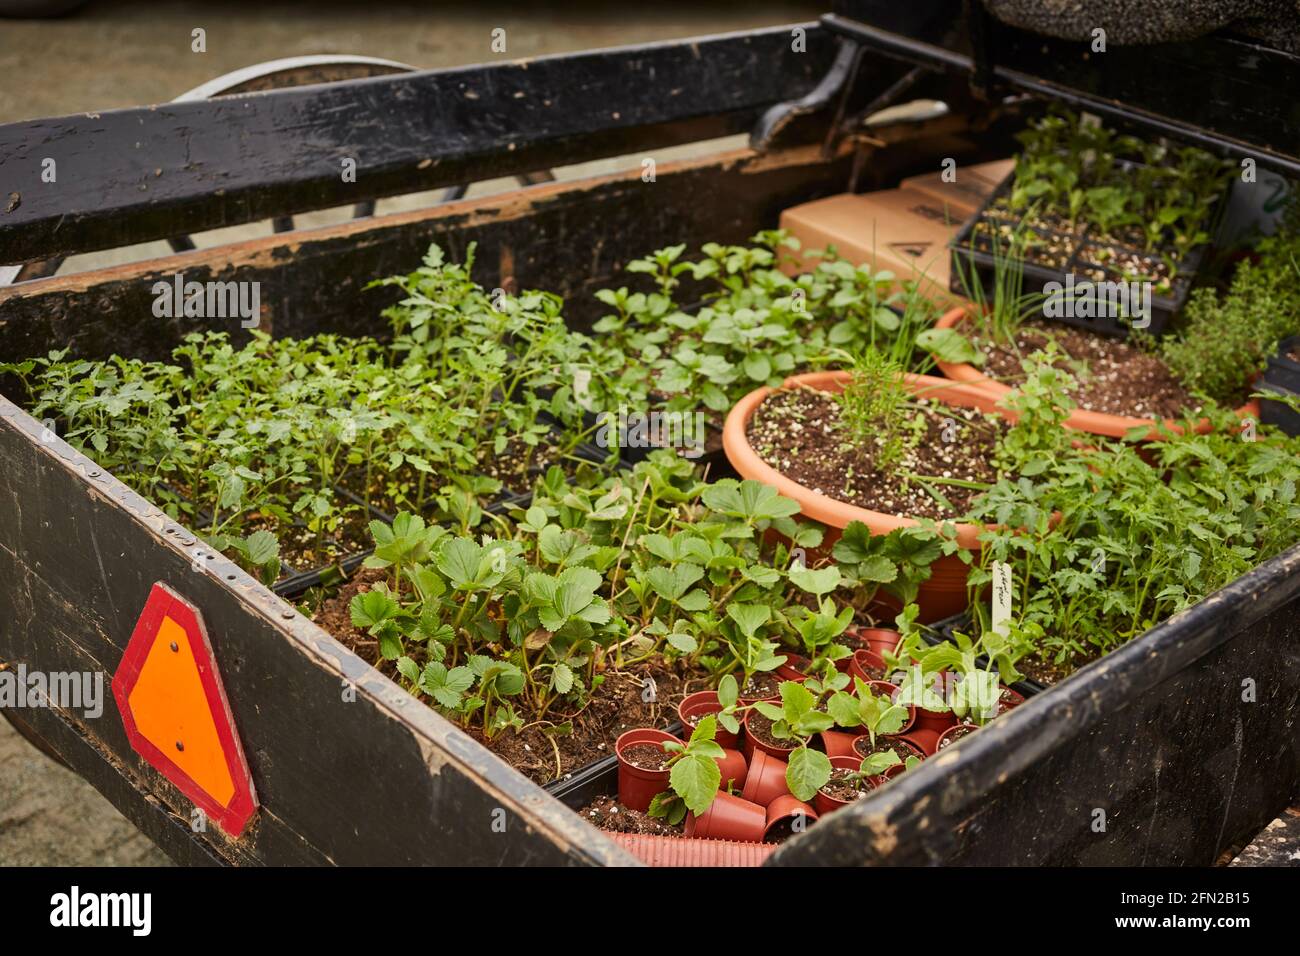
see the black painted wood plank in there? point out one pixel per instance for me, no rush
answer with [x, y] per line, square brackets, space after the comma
[132, 175]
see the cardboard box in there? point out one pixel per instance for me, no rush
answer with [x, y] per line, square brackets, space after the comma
[972, 186]
[900, 230]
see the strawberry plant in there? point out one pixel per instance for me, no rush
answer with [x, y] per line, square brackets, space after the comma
[796, 719]
[695, 776]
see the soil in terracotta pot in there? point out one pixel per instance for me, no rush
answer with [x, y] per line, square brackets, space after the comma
[797, 431]
[761, 687]
[873, 671]
[854, 642]
[796, 662]
[845, 785]
[646, 756]
[615, 707]
[760, 728]
[1114, 376]
[954, 735]
[693, 720]
[884, 745]
[606, 813]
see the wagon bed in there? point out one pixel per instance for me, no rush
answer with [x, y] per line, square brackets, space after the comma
[342, 781]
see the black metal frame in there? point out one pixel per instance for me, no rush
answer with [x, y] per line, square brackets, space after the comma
[1228, 94]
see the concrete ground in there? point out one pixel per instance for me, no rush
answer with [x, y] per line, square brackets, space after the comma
[133, 52]
[51, 817]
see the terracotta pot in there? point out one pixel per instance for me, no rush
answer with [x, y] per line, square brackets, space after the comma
[933, 721]
[766, 779]
[747, 701]
[637, 787]
[1095, 423]
[701, 704]
[878, 639]
[753, 744]
[862, 660]
[944, 594]
[885, 688]
[837, 743]
[794, 668]
[734, 767]
[826, 803]
[728, 818]
[785, 809]
[907, 743]
[1009, 700]
[924, 739]
[952, 735]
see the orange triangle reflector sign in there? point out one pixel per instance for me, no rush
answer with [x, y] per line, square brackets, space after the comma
[176, 714]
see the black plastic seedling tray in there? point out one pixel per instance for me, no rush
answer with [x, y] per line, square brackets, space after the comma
[968, 259]
[1278, 414]
[1283, 372]
[1281, 376]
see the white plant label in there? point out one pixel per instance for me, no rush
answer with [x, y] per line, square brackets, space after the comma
[1001, 597]
[582, 387]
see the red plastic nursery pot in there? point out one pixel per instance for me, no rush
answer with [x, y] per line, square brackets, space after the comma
[770, 682]
[884, 687]
[868, 665]
[862, 744]
[637, 786]
[954, 734]
[877, 639]
[766, 779]
[783, 815]
[944, 594]
[753, 744]
[734, 767]
[1094, 423]
[824, 802]
[728, 818]
[700, 704]
[837, 743]
[924, 740]
[932, 721]
[794, 668]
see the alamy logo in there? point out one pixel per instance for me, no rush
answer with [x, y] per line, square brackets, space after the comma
[1098, 300]
[74, 908]
[684, 430]
[82, 691]
[208, 300]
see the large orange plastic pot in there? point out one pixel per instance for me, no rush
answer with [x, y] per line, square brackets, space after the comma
[1094, 423]
[944, 594]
